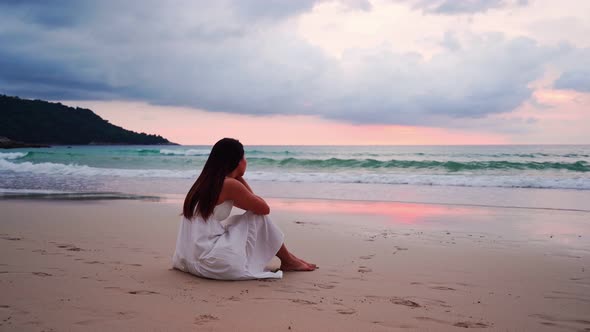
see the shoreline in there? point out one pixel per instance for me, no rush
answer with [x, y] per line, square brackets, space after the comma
[383, 267]
[574, 200]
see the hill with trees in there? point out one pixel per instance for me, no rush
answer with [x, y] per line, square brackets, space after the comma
[38, 122]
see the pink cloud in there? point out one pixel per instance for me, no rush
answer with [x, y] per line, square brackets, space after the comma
[191, 126]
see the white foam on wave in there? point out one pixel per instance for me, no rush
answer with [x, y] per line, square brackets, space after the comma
[83, 170]
[12, 155]
[501, 181]
[67, 195]
[8, 191]
[498, 181]
[189, 152]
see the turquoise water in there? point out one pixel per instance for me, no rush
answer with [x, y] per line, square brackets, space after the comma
[171, 169]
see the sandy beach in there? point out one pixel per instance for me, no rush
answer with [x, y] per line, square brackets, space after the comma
[430, 157]
[105, 265]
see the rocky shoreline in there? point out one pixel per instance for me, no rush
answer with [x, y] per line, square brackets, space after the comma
[7, 143]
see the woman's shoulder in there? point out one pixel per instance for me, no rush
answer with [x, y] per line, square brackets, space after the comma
[231, 181]
[231, 188]
[232, 185]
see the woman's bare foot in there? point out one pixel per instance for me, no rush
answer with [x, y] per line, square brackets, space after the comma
[304, 262]
[290, 262]
[296, 265]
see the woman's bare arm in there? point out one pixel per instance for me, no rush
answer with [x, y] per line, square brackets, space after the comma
[243, 197]
[243, 181]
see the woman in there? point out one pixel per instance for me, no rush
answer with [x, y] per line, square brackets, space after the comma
[213, 245]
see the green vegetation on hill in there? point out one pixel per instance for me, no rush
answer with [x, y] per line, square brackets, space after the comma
[42, 122]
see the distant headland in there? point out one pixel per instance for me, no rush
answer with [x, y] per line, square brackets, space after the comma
[38, 123]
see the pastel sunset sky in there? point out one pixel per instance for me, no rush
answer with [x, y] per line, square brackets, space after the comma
[311, 71]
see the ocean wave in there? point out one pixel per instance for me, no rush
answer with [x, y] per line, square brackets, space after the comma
[48, 168]
[142, 151]
[12, 155]
[256, 152]
[32, 155]
[453, 179]
[472, 155]
[69, 195]
[347, 155]
[189, 152]
[205, 152]
[168, 152]
[528, 155]
[450, 166]
[10, 191]
[508, 181]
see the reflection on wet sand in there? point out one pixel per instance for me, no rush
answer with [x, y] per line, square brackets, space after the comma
[400, 213]
[560, 227]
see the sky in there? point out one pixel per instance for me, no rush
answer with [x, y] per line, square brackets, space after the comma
[311, 71]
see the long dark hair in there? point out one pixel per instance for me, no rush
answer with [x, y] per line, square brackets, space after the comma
[223, 159]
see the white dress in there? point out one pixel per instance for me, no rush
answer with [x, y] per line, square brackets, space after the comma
[228, 248]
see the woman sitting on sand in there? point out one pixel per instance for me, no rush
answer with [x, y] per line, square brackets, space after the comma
[212, 244]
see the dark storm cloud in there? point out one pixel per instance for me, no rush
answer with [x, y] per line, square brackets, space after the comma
[53, 14]
[489, 76]
[34, 75]
[574, 80]
[275, 9]
[221, 56]
[452, 7]
[576, 70]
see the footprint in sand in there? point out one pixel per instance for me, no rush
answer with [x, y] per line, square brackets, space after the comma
[204, 319]
[364, 269]
[443, 288]
[348, 311]
[367, 256]
[10, 238]
[69, 247]
[404, 302]
[464, 324]
[551, 319]
[142, 292]
[42, 274]
[300, 301]
[470, 325]
[398, 249]
[305, 222]
[324, 286]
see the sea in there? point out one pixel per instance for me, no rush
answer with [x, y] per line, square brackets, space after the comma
[528, 176]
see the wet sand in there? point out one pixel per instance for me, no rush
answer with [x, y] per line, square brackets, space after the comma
[105, 265]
